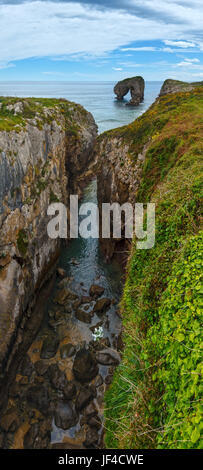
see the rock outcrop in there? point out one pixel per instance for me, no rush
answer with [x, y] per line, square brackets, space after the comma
[119, 176]
[45, 148]
[175, 86]
[136, 87]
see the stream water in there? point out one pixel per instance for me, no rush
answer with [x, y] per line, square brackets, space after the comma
[49, 405]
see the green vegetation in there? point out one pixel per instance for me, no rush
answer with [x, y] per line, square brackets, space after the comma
[42, 110]
[22, 242]
[132, 78]
[155, 399]
[53, 197]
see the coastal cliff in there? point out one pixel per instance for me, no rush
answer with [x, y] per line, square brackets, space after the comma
[48, 149]
[175, 86]
[45, 148]
[156, 389]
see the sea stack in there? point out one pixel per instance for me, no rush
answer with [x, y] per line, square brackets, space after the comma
[136, 87]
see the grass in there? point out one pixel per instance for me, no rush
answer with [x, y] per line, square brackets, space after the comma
[22, 242]
[154, 400]
[36, 108]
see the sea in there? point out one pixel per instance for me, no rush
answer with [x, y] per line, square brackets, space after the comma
[96, 97]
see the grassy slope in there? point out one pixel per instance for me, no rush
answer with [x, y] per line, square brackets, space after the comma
[154, 400]
[36, 108]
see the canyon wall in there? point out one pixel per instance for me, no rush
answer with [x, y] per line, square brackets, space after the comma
[45, 148]
[158, 158]
[119, 176]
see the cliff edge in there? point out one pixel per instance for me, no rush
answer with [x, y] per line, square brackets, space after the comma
[175, 86]
[45, 147]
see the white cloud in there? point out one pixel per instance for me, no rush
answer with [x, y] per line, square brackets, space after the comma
[184, 64]
[192, 60]
[167, 49]
[182, 44]
[51, 29]
[6, 65]
[131, 64]
[117, 69]
[189, 65]
[59, 74]
[200, 75]
[144, 48]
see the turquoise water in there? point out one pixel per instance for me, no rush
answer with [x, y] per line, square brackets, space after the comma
[96, 97]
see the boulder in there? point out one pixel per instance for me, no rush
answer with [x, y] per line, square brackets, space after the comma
[49, 347]
[96, 291]
[92, 438]
[64, 295]
[67, 350]
[57, 377]
[98, 381]
[86, 299]
[38, 397]
[65, 416]
[84, 316]
[85, 367]
[102, 305]
[95, 422]
[38, 436]
[61, 297]
[41, 367]
[90, 410]
[10, 421]
[108, 357]
[136, 87]
[83, 399]
[69, 391]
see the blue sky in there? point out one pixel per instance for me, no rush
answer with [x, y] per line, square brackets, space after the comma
[101, 39]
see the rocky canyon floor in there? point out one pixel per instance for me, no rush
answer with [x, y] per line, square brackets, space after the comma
[55, 399]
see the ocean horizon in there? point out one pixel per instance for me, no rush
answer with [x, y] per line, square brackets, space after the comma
[97, 97]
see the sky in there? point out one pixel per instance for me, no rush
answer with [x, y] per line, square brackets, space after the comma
[97, 40]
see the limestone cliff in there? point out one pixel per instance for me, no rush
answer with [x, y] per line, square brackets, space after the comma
[119, 176]
[45, 147]
[175, 86]
[136, 87]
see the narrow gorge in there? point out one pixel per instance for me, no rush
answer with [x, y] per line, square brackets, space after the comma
[86, 345]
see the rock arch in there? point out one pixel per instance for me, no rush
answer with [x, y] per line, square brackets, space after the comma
[136, 87]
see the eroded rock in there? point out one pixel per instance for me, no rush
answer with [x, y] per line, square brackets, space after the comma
[85, 367]
[136, 87]
[84, 316]
[65, 416]
[38, 397]
[102, 305]
[67, 350]
[49, 347]
[83, 399]
[108, 357]
[57, 377]
[96, 291]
